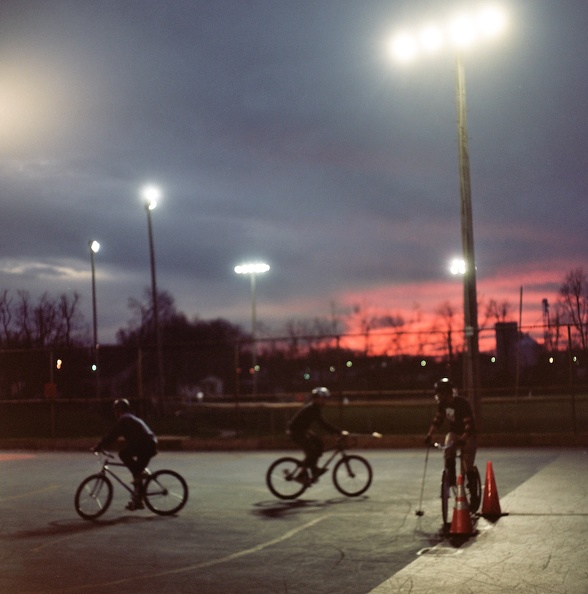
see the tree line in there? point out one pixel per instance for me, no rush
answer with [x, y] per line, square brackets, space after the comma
[49, 321]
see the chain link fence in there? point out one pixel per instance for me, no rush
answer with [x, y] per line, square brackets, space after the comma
[212, 387]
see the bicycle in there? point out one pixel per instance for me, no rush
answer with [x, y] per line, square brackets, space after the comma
[288, 478]
[164, 492]
[473, 492]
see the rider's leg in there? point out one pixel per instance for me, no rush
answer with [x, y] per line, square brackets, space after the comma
[315, 451]
[449, 457]
[468, 457]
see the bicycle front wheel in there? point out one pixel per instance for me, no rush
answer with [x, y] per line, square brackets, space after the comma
[445, 497]
[166, 492]
[283, 478]
[352, 475]
[93, 496]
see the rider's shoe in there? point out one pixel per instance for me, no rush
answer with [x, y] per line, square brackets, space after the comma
[302, 477]
[134, 504]
[316, 473]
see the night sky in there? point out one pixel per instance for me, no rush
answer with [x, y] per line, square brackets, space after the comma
[284, 131]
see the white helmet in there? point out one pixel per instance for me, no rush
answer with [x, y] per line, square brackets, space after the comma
[320, 393]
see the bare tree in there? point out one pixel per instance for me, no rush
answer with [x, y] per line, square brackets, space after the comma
[24, 319]
[574, 298]
[48, 322]
[69, 317]
[499, 312]
[6, 335]
[447, 314]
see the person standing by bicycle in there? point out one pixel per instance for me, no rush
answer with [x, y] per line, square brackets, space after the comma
[139, 447]
[462, 429]
[301, 434]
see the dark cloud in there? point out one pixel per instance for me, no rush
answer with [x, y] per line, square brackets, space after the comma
[283, 132]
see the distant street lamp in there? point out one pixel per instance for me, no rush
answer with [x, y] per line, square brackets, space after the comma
[94, 248]
[253, 269]
[460, 33]
[151, 194]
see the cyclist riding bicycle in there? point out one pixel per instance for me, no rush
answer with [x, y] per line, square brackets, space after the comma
[462, 429]
[299, 431]
[140, 445]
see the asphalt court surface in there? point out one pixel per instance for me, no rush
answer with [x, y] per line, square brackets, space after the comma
[233, 536]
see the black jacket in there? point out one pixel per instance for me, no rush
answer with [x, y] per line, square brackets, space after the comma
[310, 413]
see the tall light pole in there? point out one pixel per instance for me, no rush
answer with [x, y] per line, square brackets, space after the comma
[94, 248]
[470, 295]
[253, 269]
[151, 194]
[460, 33]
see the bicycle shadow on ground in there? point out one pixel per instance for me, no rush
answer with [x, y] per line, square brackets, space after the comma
[280, 509]
[69, 527]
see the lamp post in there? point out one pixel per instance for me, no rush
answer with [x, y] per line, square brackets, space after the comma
[94, 248]
[253, 269]
[151, 195]
[460, 33]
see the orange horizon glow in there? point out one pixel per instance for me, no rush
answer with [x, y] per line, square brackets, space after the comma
[418, 303]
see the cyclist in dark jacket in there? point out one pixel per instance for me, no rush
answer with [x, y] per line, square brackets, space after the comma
[139, 447]
[301, 434]
[462, 428]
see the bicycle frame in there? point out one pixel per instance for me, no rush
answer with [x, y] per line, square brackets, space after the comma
[106, 462]
[340, 446]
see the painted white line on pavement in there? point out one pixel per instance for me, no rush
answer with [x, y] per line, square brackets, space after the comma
[203, 564]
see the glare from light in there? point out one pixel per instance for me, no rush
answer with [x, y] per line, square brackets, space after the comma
[431, 39]
[95, 246]
[491, 21]
[461, 31]
[457, 266]
[252, 268]
[151, 194]
[404, 47]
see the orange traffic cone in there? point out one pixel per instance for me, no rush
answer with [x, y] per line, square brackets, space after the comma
[461, 523]
[491, 503]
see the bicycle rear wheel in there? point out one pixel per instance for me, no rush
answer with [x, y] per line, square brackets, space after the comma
[166, 492]
[93, 496]
[352, 475]
[281, 478]
[474, 491]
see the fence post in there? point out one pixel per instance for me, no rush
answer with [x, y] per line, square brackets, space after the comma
[571, 379]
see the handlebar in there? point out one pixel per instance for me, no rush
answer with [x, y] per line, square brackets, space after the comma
[443, 447]
[104, 453]
[343, 436]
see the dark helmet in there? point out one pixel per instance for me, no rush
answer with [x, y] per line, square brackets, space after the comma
[443, 388]
[320, 393]
[121, 405]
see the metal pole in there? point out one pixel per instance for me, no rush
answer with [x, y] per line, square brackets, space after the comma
[254, 331]
[470, 302]
[156, 327]
[95, 323]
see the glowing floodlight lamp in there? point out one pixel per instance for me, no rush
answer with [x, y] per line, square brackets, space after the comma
[151, 194]
[457, 266]
[463, 30]
[252, 268]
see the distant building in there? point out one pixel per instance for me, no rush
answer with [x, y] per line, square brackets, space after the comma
[512, 345]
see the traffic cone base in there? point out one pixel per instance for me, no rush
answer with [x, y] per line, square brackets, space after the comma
[461, 525]
[491, 502]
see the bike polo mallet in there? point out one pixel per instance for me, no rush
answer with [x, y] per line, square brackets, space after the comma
[419, 511]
